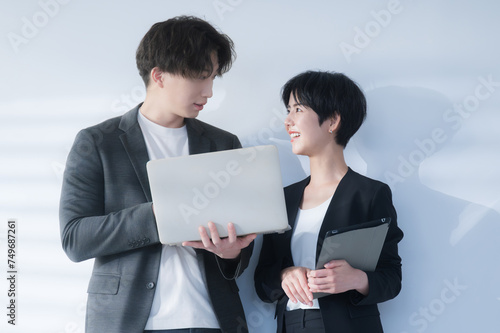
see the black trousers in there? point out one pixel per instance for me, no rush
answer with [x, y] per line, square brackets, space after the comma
[303, 321]
[186, 330]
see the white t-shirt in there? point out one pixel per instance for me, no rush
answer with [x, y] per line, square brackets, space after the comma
[303, 244]
[181, 298]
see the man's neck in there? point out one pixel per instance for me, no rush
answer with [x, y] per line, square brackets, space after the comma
[160, 115]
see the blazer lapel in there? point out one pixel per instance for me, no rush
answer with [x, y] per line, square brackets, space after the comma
[293, 200]
[135, 146]
[331, 220]
[198, 143]
[133, 142]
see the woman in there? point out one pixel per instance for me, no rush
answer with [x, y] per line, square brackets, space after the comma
[324, 111]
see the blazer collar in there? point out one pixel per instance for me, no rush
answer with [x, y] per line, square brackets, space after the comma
[295, 198]
[197, 141]
[135, 146]
[330, 220]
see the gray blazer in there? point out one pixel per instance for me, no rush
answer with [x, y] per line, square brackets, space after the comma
[106, 214]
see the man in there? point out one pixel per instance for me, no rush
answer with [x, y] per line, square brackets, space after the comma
[106, 213]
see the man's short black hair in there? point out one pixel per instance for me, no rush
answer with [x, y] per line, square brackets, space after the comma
[329, 93]
[184, 46]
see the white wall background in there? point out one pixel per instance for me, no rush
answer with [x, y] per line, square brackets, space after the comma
[431, 74]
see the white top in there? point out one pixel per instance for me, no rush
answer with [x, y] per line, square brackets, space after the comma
[181, 298]
[303, 244]
[163, 142]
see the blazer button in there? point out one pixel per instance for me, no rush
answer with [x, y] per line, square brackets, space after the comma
[150, 285]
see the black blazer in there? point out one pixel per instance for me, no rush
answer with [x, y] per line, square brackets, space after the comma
[106, 214]
[357, 199]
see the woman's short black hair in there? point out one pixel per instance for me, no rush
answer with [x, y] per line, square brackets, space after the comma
[329, 93]
[184, 45]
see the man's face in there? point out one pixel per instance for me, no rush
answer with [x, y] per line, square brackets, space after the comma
[185, 97]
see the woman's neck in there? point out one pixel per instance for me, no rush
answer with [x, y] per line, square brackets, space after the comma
[328, 168]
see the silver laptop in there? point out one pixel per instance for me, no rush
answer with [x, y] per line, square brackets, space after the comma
[242, 186]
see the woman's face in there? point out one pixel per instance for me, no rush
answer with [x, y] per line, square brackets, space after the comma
[302, 124]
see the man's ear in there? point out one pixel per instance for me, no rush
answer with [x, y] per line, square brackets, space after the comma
[156, 77]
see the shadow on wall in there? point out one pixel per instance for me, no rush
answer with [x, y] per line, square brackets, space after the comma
[445, 277]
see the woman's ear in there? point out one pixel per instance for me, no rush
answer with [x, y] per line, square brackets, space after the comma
[334, 122]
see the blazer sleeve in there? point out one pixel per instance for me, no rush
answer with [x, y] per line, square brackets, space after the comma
[233, 268]
[87, 231]
[385, 282]
[275, 254]
[272, 261]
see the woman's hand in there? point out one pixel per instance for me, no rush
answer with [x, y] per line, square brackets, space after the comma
[337, 277]
[294, 284]
[226, 248]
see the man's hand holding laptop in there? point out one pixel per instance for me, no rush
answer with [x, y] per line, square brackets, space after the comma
[227, 247]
